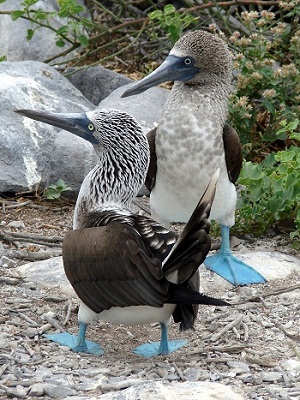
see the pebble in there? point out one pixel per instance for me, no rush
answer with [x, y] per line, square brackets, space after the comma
[58, 391]
[7, 262]
[16, 225]
[272, 376]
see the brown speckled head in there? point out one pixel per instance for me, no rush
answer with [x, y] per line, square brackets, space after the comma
[209, 52]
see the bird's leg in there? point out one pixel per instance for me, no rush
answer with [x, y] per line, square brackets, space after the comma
[229, 267]
[161, 348]
[78, 343]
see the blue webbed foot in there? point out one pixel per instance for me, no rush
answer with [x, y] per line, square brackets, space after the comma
[154, 349]
[231, 268]
[161, 348]
[78, 344]
[71, 341]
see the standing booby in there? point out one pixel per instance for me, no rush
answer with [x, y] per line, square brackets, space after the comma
[193, 139]
[126, 268]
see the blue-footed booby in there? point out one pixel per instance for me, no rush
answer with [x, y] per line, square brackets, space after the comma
[127, 268]
[193, 139]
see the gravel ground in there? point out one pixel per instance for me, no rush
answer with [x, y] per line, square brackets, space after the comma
[252, 346]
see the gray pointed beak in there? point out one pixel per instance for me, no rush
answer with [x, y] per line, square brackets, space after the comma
[172, 69]
[76, 123]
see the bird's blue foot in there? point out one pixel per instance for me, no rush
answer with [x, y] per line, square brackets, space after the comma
[161, 348]
[231, 268]
[78, 344]
[154, 349]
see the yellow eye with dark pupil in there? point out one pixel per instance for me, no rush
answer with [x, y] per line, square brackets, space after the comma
[91, 127]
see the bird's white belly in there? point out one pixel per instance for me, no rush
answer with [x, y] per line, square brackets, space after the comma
[185, 167]
[134, 315]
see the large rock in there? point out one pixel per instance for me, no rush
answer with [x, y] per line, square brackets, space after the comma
[169, 391]
[35, 154]
[13, 34]
[96, 83]
[274, 266]
[146, 107]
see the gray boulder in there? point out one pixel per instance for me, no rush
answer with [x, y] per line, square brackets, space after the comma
[96, 83]
[146, 107]
[184, 391]
[35, 154]
[13, 34]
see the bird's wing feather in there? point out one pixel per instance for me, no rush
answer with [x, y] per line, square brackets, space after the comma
[233, 152]
[194, 242]
[111, 266]
[151, 174]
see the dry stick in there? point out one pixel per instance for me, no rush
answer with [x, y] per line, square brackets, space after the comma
[33, 236]
[25, 203]
[227, 328]
[29, 320]
[221, 349]
[246, 330]
[69, 309]
[41, 243]
[142, 207]
[288, 334]
[179, 372]
[273, 293]
[54, 323]
[32, 255]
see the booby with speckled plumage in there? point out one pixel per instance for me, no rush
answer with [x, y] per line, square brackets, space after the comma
[193, 139]
[127, 268]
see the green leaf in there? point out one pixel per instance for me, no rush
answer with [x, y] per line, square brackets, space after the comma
[84, 41]
[60, 43]
[62, 29]
[169, 9]
[3, 58]
[2, 1]
[16, 14]
[157, 14]
[295, 136]
[30, 33]
[269, 106]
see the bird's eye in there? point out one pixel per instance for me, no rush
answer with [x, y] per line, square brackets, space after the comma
[91, 127]
[188, 61]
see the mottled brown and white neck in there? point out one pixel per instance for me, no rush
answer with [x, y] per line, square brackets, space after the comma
[116, 179]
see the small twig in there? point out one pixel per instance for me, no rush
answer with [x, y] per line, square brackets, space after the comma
[269, 294]
[29, 320]
[17, 205]
[227, 328]
[28, 348]
[218, 360]
[246, 330]
[69, 309]
[220, 349]
[34, 255]
[54, 323]
[294, 348]
[288, 334]
[44, 328]
[262, 361]
[142, 207]
[179, 372]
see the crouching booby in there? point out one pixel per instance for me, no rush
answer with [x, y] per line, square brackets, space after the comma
[193, 139]
[127, 268]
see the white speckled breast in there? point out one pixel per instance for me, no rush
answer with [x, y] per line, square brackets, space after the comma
[189, 147]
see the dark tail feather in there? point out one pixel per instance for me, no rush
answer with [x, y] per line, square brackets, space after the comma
[193, 244]
[179, 294]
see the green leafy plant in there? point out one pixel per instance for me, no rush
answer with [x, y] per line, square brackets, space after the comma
[268, 83]
[272, 191]
[171, 21]
[54, 191]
